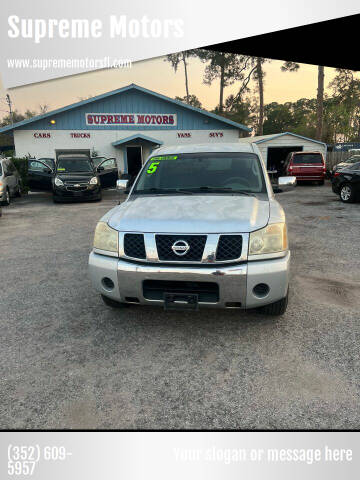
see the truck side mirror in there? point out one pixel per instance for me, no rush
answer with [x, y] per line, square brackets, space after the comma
[285, 184]
[122, 185]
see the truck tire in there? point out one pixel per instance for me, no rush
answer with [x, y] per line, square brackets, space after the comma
[113, 303]
[276, 308]
[7, 197]
[347, 193]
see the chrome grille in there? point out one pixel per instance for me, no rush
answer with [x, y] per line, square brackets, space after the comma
[164, 244]
[229, 247]
[134, 245]
[207, 249]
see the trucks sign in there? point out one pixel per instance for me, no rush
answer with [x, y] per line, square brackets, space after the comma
[142, 119]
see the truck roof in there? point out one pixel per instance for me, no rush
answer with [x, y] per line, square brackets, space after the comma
[205, 148]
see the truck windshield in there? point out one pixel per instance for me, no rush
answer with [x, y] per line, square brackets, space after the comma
[202, 172]
[65, 165]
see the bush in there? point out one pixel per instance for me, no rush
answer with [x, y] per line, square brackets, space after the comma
[21, 165]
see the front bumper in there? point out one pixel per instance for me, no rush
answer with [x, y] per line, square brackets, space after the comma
[61, 193]
[236, 282]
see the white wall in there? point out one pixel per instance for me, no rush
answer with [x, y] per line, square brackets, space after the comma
[288, 141]
[100, 140]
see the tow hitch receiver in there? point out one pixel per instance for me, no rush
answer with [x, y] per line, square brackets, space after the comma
[181, 301]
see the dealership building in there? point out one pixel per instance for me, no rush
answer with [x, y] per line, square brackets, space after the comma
[127, 124]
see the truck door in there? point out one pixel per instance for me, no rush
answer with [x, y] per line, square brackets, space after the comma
[108, 173]
[39, 176]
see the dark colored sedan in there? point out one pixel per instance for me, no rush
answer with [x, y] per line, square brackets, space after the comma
[346, 183]
[346, 163]
[72, 177]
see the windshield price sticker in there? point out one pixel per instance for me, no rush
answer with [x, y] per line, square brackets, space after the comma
[153, 165]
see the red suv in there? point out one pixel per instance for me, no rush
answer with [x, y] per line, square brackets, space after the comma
[306, 166]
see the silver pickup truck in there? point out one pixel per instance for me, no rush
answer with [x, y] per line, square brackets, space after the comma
[200, 228]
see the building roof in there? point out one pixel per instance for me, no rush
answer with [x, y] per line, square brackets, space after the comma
[116, 92]
[265, 138]
[137, 136]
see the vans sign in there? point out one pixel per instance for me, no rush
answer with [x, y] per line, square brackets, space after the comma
[143, 119]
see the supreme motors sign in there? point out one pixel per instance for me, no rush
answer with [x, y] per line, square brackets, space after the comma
[139, 119]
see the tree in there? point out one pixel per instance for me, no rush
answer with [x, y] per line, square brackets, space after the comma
[29, 114]
[298, 117]
[290, 67]
[43, 108]
[279, 118]
[175, 59]
[346, 99]
[254, 67]
[19, 117]
[293, 67]
[225, 67]
[260, 80]
[190, 100]
[16, 117]
[239, 110]
[320, 103]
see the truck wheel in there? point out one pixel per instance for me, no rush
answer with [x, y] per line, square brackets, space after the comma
[276, 308]
[7, 197]
[113, 303]
[347, 193]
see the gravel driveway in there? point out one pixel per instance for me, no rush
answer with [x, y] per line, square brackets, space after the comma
[67, 361]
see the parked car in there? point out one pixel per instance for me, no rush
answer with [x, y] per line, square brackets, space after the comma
[200, 227]
[306, 166]
[346, 163]
[10, 181]
[72, 177]
[346, 183]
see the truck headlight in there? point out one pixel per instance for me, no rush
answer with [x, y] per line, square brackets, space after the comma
[106, 238]
[58, 182]
[94, 181]
[271, 239]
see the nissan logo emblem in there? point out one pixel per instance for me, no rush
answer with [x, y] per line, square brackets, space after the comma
[180, 247]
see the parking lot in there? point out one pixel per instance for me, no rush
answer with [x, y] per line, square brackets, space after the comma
[67, 361]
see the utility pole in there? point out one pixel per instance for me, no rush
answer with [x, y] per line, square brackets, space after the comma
[8, 100]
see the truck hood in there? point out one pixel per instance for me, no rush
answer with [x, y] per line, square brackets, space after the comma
[75, 176]
[191, 214]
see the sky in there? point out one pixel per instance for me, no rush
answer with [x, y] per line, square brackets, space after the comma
[158, 75]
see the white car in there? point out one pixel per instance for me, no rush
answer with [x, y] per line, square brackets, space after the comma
[10, 181]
